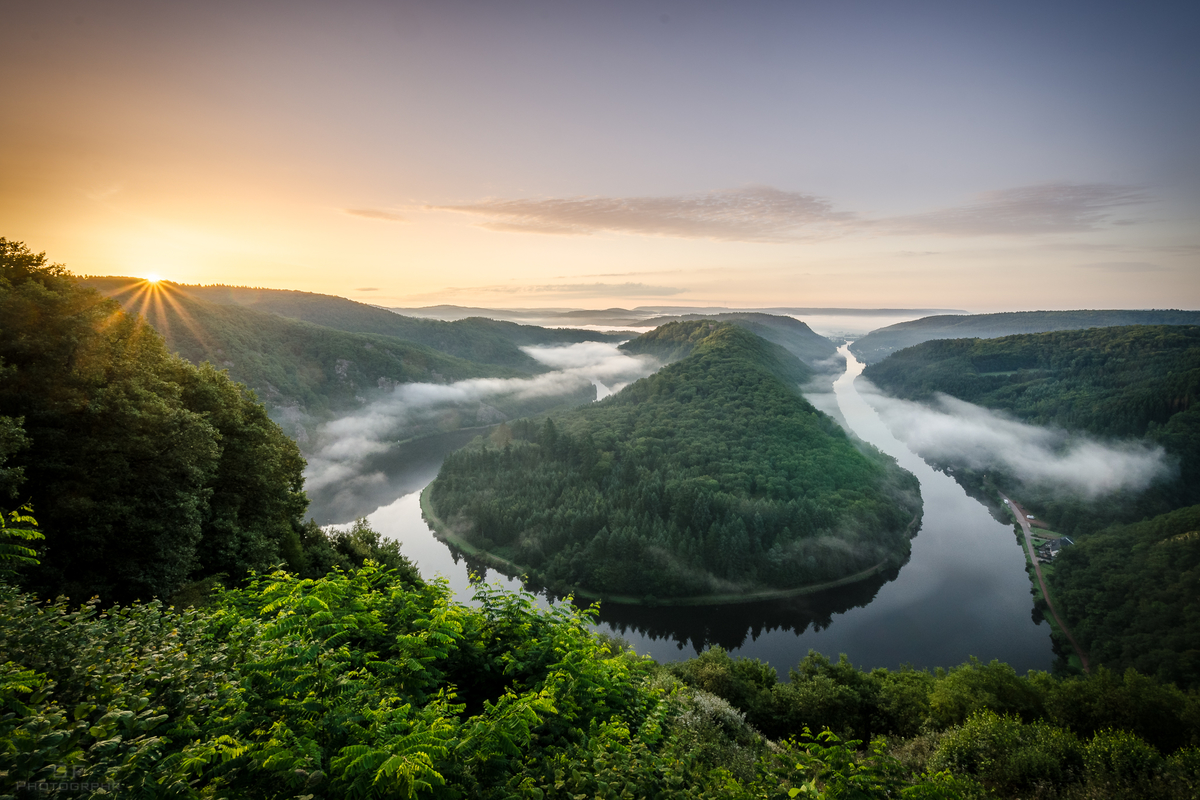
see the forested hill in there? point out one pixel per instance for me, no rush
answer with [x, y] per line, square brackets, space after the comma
[713, 476]
[290, 363]
[878, 344]
[788, 332]
[481, 340]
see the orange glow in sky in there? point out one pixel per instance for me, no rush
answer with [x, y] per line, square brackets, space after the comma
[981, 157]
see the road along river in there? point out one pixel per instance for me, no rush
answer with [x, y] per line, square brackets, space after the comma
[964, 591]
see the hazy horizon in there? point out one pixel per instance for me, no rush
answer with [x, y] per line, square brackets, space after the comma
[1012, 156]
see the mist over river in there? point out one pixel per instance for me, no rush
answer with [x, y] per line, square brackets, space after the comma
[964, 591]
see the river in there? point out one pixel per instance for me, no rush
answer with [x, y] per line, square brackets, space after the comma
[964, 591]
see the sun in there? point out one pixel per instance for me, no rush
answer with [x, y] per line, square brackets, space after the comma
[153, 277]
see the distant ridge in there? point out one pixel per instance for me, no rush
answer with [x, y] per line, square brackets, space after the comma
[879, 344]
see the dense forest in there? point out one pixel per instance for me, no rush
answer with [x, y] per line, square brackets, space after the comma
[147, 473]
[1130, 595]
[879, 344]
[711, 477]
[1127, 591]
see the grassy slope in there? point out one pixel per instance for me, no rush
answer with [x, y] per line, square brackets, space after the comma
[879, 344]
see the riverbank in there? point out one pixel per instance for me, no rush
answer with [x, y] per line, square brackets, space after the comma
[1040, 584]
[444, 533]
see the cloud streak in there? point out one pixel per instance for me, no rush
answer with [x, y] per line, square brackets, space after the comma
[375, 213]
[1048, 208]
[567, 290]
[767, 214]
[752, 214]
[954, 431]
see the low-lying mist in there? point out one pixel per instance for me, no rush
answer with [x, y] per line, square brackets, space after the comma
[344, 459]
[954, 431]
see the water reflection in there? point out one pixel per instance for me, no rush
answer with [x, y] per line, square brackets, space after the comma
[732, 626]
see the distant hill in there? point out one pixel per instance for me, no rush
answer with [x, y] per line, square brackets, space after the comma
[789, 333]
[480, 340]
[712, 478]
[879, 344]
[304, 371]
[286, 361]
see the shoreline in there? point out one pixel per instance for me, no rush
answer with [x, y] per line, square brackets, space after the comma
[442, 532]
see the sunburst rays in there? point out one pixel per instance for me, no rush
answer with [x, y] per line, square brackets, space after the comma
[157, 302]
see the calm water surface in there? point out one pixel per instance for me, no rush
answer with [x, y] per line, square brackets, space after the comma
[964, 592]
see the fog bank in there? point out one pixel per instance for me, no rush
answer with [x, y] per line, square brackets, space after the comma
[952, 430]
[341, 458]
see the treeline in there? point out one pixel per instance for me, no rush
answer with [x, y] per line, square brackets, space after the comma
[882, 342]
[146, 473]
[377, 685]
[712, 476]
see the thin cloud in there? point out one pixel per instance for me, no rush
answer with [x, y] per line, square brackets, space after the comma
[572, 290]
[367, 289]
[374, 213]
[1122, 266]
[767, 214]
[754, 214]
[1047, 208]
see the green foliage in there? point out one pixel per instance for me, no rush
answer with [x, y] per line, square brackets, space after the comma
[1001, 751]
[1129, 595]
[147, 472]
[17, 534]
[326, 549]
[371, 685]
[712, 476]
[12, 440]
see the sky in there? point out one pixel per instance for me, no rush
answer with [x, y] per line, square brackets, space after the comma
[984, 156]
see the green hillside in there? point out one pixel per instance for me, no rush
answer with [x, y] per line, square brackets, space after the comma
[481, 340]
[789, 333]
[711, 477]
[879, 344]
[1130, 595]
[290, 363]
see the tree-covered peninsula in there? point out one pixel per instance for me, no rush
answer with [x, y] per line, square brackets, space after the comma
[712, 478]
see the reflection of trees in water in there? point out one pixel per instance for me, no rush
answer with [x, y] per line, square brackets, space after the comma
[724, 625]
[729, 625]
